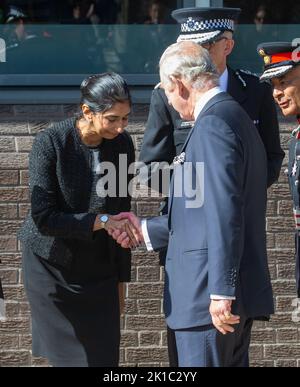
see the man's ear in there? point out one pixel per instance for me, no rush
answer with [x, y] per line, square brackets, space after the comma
[230, 43]
[182, 89]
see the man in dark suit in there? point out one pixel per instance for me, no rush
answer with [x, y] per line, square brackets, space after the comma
[166, 132]
[217, 277]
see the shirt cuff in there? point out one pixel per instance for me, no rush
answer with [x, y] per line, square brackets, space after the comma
[146, 235]
[216, 297]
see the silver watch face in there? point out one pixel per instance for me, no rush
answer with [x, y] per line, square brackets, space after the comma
[104, 218]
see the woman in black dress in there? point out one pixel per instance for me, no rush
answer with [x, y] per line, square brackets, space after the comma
[72, 267]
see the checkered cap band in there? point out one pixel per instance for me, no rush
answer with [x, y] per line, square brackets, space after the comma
[208, 25]
[200, 38]
[275, 72]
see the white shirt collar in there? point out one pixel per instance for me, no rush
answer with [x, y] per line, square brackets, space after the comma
[205, 99]
[224, 80]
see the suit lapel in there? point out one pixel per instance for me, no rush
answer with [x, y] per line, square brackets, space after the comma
[218, 98]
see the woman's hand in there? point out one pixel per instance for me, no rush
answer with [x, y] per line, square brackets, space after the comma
[118, 227]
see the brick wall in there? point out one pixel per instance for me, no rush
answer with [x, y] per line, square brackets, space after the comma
[144, 338]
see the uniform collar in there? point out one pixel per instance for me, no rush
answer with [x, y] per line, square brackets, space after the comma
[224, 80]
[298, 119]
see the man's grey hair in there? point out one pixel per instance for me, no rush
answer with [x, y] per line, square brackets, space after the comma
[189, 61]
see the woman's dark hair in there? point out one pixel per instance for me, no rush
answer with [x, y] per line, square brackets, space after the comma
[101, 91]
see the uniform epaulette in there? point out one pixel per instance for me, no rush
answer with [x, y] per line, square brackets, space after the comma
[247, 72]
[157, 86]
[244, 83]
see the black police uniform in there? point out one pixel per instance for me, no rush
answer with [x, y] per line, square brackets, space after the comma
[280, 58]
[294, 182]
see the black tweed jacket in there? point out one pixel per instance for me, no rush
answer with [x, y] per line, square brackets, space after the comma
[60, 188]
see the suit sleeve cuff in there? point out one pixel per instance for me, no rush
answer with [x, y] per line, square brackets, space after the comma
[216, 297]
[146, 235]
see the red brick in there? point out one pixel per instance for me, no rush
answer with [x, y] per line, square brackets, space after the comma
[145, 290]
[24, 178]
[14, 160]
[145, 322]
[285, 363]
[13, 128]
[15, 358]
[286, 272]
[145, 354]
[290, 351]
[285, 208]
[148, 274]
[8, 177]
[9, 342]
[7, 144]
[24, 144]
[24, 210]
[8, 211]
[287, 335]
[9, 277]
[147, 339]
[9, 227]
[8, 243]
[280, 224]
[149, 306]
[129, 339]
[14, 195]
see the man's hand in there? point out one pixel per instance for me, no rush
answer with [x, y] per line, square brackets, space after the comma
[221, 316]
[129, 236]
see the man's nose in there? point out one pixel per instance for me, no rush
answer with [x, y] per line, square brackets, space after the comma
[277, 93]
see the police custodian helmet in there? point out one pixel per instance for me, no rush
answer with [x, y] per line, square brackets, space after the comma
[204, 25]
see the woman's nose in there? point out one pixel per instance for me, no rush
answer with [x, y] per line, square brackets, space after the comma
[120, 129]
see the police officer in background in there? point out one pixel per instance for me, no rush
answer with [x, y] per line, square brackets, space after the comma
[166, 132]
[282, 69]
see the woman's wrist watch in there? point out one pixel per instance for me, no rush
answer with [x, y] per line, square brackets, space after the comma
[103, 220]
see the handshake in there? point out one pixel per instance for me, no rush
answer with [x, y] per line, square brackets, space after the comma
[125, 229]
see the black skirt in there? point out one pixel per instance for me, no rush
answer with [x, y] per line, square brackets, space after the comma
[73, 324]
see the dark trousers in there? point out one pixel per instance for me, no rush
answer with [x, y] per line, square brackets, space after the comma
[206, 347]
[172, 348]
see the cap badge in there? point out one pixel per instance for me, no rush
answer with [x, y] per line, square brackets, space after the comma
[191, 23]
[267, 60]
[262, 52]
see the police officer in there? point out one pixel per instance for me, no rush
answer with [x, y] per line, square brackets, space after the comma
[282, 69]
[165, 131]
